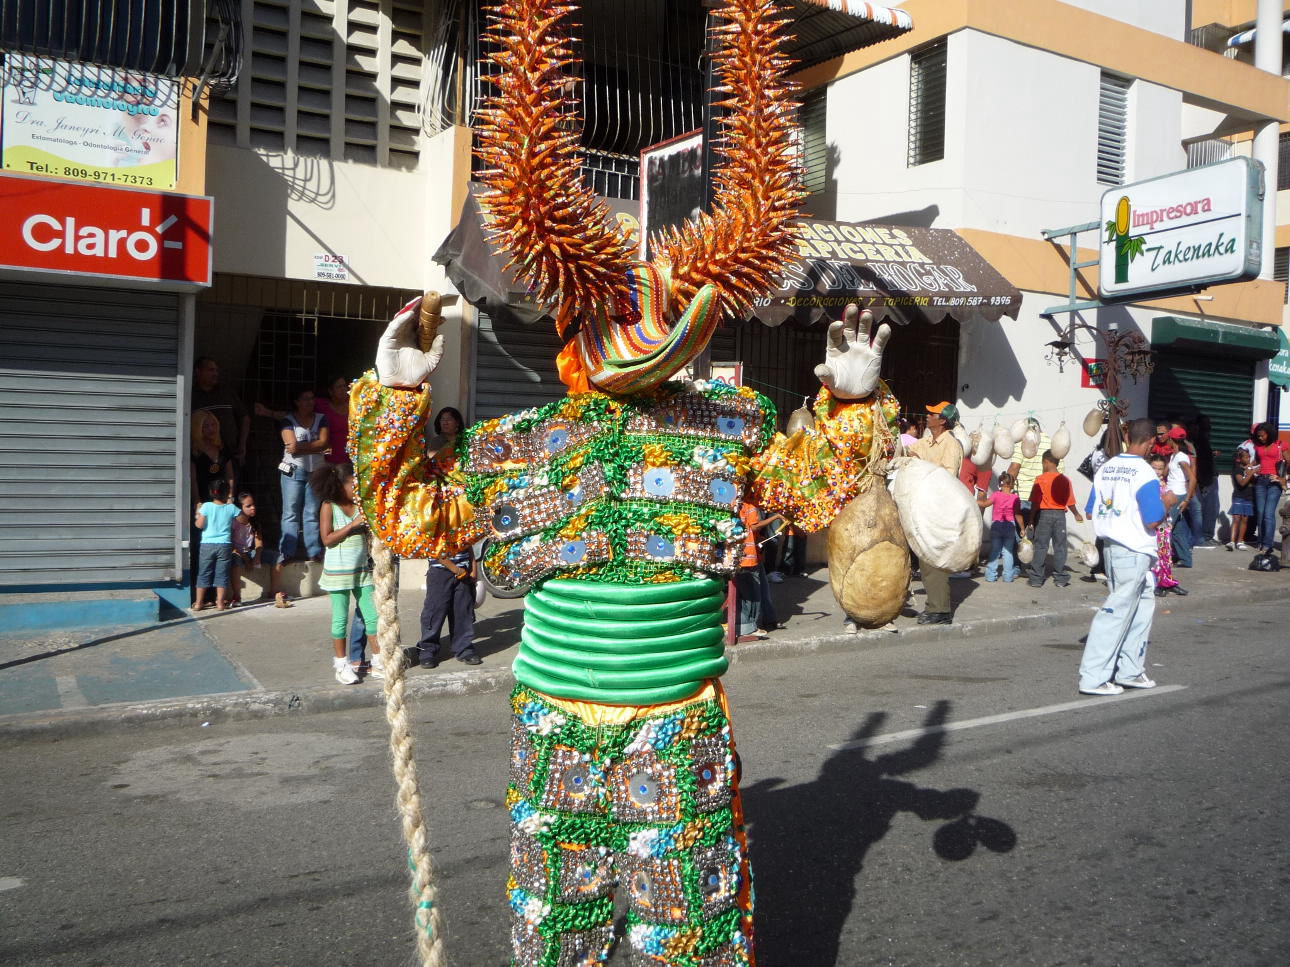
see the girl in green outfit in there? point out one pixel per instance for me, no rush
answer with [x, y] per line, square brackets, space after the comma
[347, 565]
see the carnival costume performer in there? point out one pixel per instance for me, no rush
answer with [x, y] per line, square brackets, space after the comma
[615, 509]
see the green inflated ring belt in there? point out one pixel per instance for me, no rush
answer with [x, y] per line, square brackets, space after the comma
[622, 644]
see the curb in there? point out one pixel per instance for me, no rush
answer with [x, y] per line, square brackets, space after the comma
[204, 710]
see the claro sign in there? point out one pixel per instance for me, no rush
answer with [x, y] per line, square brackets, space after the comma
[1183, 231]
[119, 233]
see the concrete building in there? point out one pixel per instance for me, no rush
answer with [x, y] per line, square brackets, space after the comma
[340, 161]
[1035, 110]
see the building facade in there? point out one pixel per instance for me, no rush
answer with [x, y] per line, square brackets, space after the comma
[1008, 120]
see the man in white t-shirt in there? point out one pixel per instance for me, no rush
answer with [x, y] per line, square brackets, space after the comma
[1125, 507]
[1181, 482]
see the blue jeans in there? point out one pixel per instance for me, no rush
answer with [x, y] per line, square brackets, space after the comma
[1195, 519]
[1180, 542]
[1209, 511]
[299, 517]
[357, 638]
[1003, 551]
[213, 563]
[1266, 497]
[1117, 639]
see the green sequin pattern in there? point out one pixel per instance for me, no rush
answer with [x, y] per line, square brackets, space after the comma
[644, 807]
[643, 488]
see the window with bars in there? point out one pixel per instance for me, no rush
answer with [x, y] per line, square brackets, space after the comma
[334, 78]
[927, 104]
[1281, 271]
[1283, 162]
[812, 144]
[1112, 128]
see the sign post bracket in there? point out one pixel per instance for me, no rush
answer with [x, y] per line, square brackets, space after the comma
[1073, 304]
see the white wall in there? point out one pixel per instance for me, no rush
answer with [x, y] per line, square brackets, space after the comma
[1155, 131]
[273, 212]
[867, 122]
[1168, 17]
[1021, 140]
[1031, 138]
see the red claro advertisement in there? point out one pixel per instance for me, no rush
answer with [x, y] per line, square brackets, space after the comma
[120, 233]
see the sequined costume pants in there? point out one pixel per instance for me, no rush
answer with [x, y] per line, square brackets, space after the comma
[640, 798]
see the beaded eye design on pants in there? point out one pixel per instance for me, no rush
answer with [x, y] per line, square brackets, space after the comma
[645, 808]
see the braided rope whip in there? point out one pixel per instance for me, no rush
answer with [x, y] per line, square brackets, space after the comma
[423, 891]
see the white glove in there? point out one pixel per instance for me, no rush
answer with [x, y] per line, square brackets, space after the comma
[851, 366]
[399, 361]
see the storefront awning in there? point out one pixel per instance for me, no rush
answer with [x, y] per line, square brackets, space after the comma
[480, 274]
[904, 274]
[824, 29]
[1222, 338]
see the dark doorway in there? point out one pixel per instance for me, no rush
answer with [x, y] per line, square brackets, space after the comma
[921, 363]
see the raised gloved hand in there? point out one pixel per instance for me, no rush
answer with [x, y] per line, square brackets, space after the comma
[400, 361]
[851, 365]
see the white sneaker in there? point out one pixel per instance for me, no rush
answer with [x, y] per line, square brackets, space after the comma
[774, 577]
[850, 627]
[1242, 546]
[1106, 688]
[1139, 681]
[345, 673]
[377, 669]
[1230, 546]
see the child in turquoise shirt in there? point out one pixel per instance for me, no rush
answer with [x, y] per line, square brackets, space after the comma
[215, 520]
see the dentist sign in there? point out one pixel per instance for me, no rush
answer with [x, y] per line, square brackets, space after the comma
[1184, 231]
[119, 233]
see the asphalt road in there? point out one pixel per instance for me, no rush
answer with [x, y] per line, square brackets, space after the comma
[919, 804]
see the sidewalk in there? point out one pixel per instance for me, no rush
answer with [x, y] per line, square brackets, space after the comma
[259, 660]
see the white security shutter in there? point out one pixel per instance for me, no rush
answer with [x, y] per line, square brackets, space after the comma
[1112, 128]
[88, 435]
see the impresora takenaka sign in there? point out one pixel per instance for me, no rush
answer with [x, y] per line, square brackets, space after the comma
[1183, 231]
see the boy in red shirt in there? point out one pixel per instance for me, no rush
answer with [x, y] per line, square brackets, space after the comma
[1050, 498]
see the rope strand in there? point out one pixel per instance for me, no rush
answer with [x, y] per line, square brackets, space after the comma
[423, 892]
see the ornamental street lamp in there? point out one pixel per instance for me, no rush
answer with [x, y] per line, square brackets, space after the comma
[1127, 354]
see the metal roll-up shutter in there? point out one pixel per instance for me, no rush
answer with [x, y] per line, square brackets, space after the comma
[514, 366]
[1220, 387]
[89, 431]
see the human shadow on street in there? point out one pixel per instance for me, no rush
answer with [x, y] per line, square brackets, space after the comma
[499, 631]
[791, 596]
[809, 841]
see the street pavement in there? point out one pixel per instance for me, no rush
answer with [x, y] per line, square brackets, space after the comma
[934, 801]
[260, 660]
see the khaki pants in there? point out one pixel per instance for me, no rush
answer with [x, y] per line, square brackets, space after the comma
[937, 583]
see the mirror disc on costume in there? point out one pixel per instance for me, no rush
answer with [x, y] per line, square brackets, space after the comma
[723, 491]
[660, 482]
[659, 547]
[730, 425]
[556, 439]
[573, 552]
[641, 886]
[505, 518]
[576, 781]
[710, 880]
[642, 789]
